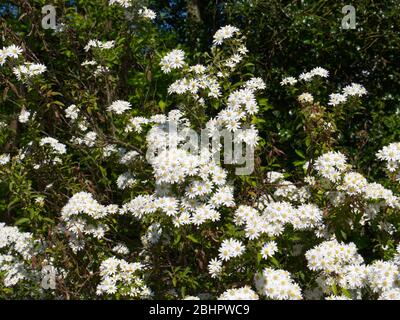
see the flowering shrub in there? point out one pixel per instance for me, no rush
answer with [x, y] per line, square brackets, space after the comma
[107, 195]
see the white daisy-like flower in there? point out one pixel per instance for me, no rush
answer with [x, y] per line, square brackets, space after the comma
[119, 106]
[269, 249]
[173, 60]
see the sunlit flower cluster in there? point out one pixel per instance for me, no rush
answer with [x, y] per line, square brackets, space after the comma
[353, 89]
[11, 51]
[28, 70]
[391, 154]
[82, 215]
[277, 285]
[124, 278]
[174, 194]
[119, 107]
[173, 60]
[99, 44]
[244, 293]
[16, 249]
[147, 13]
[224, 33]
[56, 146]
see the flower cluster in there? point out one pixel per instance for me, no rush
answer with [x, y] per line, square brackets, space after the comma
[277, 285]
[56, 146]
[173, 60]
[25, 70]
[119, 107]
[224, 33]
[11, 51]
[306, 76]
[341, 265]
[147, 13]
[391, 154]
[230, 248]
[16, 251]
[353, 89]
[82, 215]
[28, 70]
[4, 159]
[99, 44]
[124, 278]
[244, 293]
[333, 167]
[123, 3]
[72, 112]
[180, 199]
[274, 216]
[24, 116]
[330, 165]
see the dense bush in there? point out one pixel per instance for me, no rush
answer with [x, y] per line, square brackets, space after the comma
[110, 189]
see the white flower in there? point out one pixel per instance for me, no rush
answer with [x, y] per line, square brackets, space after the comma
[126, 180]
[269, 249]
[332, 257]
[353, 183]
[191, 298]
[153, 234]
[88, 63]
[273, 176]
[147, 13]
[288, 81]
[121, 249]
[224, 33]
[118, 275]
[382, 276]
[128, 157]
[173, 60]
[215, 267]
[336, 99]
[16, 253]
[230, 248]
[245, 293]
[305, 98]
[354, 90]
[24, 116]
[277, 284]
[90, 138]
[3, 56]
[57, 147]
[123, 3]
[341, 297]
[318, 71]
[4, 159]
[72, 112]
[28, 70]
[99, 44]
[135, 124]
[330, 165]
[13, 51]
[198, 69]
[248, 136]
[255, 84]
[119, 106]
[390, 154]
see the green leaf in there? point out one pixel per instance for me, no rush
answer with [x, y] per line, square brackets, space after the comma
[162, 105]
[192, 238]
[21, 221]
[177, 239]
[300, 154]
[274, 261]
